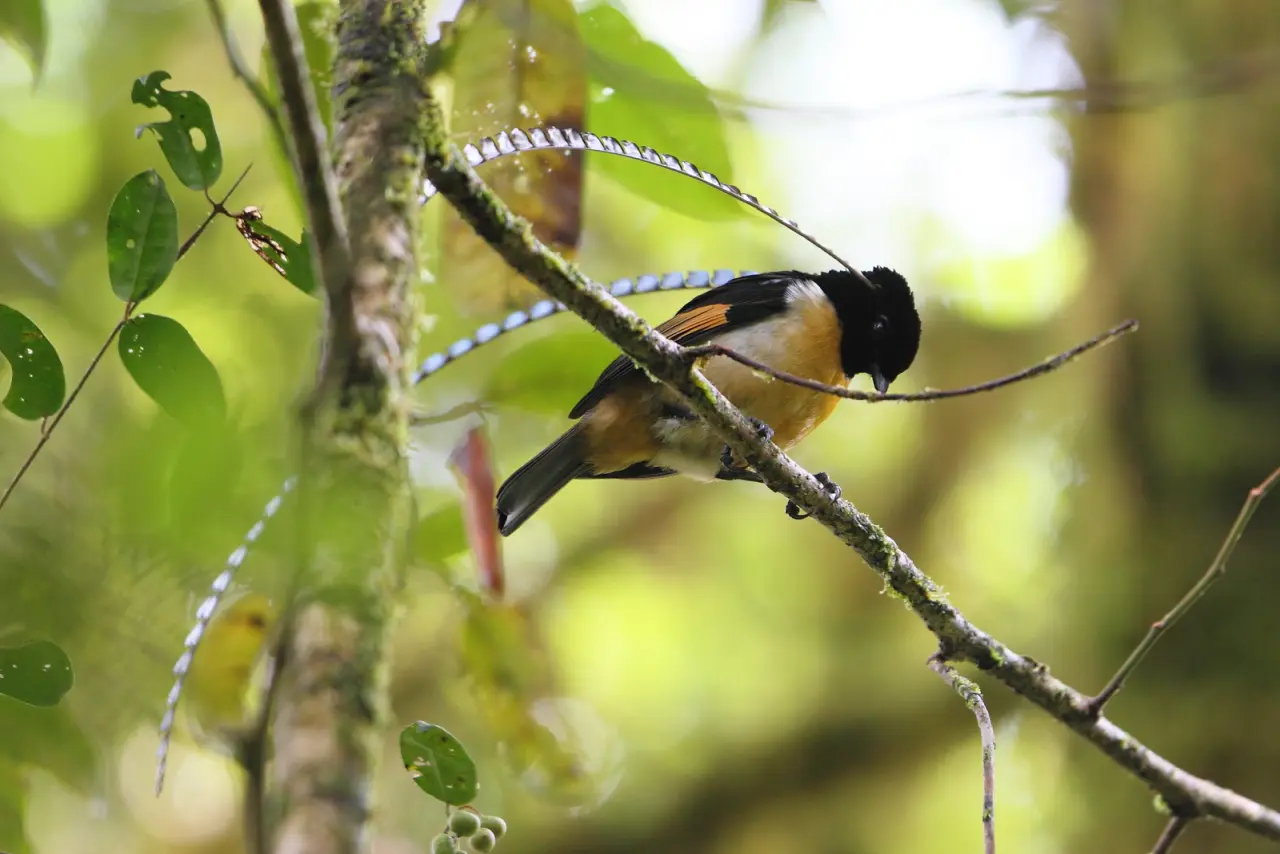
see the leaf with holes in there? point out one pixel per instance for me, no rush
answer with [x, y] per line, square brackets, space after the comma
[36, 673]
[23, 25]
[640, 92]
[189, 140]
[38, 384]
[516, 63]
[142, 237]
[167, 364]
[297, 261]
[438, 763]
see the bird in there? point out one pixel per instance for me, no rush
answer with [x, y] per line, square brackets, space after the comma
[829, 327]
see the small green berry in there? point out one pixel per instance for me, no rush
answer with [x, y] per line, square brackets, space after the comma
[483, 841]
[495, 825]
[464, 822]
[444, 844]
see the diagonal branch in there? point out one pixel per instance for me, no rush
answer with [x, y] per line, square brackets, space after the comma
[241, 69]
[331, 255]
[669, 364]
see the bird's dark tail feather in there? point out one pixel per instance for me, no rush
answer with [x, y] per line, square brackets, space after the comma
[533, 484]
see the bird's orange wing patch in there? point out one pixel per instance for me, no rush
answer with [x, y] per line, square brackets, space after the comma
[704, 318]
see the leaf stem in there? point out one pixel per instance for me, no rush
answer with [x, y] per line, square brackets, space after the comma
[218, 208]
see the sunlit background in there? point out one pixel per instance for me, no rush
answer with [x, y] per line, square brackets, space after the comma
[733, 681]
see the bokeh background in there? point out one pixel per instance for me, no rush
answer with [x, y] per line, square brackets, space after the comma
[733, 681]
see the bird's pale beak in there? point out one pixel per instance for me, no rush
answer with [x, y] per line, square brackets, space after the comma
[880, 381]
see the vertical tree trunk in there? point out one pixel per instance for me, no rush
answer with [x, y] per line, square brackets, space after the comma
[356, 497]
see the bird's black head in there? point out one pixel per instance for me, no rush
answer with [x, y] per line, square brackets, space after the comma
[880, 328]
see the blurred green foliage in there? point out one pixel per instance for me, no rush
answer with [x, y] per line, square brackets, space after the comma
[723, 646]
[22, 25]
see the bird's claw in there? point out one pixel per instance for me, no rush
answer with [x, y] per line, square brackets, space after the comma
[831, 487]
[763, 432]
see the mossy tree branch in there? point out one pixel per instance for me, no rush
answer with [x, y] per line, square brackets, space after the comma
[665, 361]
[355, 502]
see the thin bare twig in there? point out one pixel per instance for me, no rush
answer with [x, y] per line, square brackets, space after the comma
[217, 207]
[1172, 831]
[1048, 365]
[49, 425]
[241, 70]
[972, 696]
[1194, 595]
[252, 750]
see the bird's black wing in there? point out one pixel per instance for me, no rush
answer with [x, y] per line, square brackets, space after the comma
[736, 304]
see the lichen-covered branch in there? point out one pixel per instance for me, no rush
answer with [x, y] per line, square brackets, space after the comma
[972, 696]
[668, 363]
[354, 497]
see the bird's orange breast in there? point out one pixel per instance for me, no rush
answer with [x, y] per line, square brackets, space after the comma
[805, 341]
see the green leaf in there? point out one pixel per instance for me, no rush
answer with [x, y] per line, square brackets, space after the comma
[641, 93]
[551, 373]
[297, 261]
[22, 24]
[36, 673]
[438, 763]
[142, 237]
[38, 384]
[167, 364]
[189, 140]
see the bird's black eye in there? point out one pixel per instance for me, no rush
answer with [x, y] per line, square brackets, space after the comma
[880, 328]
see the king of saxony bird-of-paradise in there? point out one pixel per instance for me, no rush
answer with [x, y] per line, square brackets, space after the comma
[828, 327]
